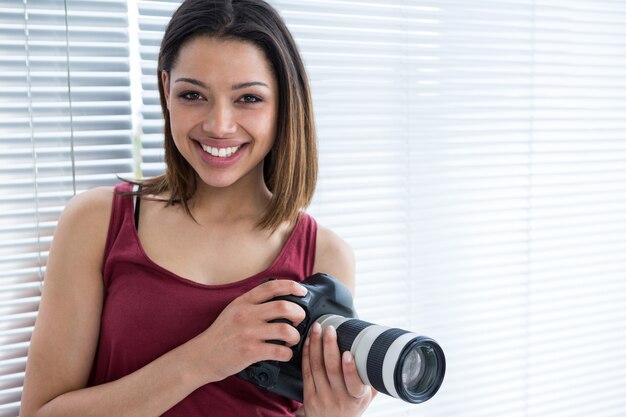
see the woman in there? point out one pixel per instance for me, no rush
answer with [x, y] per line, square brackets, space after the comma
[154, 299]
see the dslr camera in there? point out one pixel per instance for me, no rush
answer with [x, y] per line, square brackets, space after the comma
[395, 362]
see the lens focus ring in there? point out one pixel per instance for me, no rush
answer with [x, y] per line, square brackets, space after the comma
[376, 358]
[348, 331]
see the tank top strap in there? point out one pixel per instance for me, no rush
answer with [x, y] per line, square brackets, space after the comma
[121, 209]
[298, 255]
[308, 237]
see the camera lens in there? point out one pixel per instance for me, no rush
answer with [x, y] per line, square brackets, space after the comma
[422, 370]
[393, 361]
[412, 369]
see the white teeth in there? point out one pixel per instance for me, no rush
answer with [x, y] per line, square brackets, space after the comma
[221, 152]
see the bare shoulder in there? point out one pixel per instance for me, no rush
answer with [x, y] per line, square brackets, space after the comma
[334, 256]
[83, 226]
[76, 255]
[75, 260]
[93, 203]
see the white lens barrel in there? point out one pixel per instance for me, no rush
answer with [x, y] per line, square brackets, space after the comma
[331, 320]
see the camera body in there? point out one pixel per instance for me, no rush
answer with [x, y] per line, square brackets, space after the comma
[325, 295]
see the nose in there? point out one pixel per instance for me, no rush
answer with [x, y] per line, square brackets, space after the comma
[219, 121]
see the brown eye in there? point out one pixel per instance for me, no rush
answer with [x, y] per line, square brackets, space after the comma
[190, 96]
[250, 99]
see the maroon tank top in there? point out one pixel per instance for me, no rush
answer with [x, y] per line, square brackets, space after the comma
[149, 311]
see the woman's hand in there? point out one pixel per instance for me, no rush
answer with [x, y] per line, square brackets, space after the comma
[239, 336]
[332, 386]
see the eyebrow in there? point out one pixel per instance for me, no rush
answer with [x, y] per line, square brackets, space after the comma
[238, 86]
[248, 84]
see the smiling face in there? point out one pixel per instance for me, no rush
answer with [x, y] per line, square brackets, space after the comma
[222, 99]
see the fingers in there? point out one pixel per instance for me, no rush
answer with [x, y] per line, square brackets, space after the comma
[283, 332]
[322, 360]
[239, 336]
[270, 320]
[331, 383]
[313, 360]
[274, 288]
[326, 369]
[282, 309]
[332, 360]
[275, 352]
[354, 385]
[307, 373]
[267, 310]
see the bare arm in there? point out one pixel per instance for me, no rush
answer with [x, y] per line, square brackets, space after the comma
[334, 257]
[332, 385]
[67, 329]
[66, 332]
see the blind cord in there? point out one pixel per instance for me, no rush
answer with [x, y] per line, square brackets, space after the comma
[31, 126]
[69, 97]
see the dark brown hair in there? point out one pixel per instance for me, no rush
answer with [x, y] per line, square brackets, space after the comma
[290, 169]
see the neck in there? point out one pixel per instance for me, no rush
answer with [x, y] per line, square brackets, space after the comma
[245, 200]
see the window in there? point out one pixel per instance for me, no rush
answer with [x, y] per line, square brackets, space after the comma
[472, 153]
[65, 126]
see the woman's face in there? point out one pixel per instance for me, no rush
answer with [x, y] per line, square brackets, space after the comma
[222, 98]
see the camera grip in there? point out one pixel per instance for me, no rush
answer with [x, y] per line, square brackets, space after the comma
[325, 296]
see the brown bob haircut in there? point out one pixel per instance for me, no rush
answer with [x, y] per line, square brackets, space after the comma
[290, 169]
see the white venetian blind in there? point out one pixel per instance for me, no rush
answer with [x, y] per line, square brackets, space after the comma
[65, 126]
[362, 58]
[518, 206]
[153, 16]
[473, 153]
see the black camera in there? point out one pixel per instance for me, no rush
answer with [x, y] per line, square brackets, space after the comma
[394, 361]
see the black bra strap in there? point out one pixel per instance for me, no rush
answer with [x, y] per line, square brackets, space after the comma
[137, 204]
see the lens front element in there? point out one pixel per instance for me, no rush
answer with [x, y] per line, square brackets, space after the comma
[412, 369]
[421, 370]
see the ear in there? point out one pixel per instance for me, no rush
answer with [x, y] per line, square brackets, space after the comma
[165, 80]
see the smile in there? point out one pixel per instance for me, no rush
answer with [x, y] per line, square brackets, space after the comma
[221, 152]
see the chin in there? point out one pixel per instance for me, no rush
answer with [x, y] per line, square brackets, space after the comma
[216, 183]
